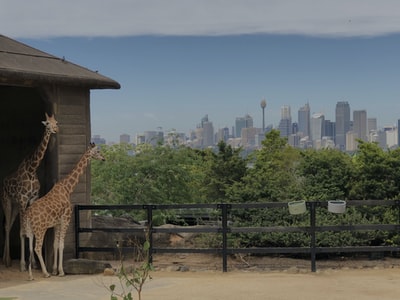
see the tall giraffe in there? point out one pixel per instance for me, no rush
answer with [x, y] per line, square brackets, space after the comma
[21, 188]
[54, 210]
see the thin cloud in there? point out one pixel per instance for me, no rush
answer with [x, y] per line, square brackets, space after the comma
[90, 18]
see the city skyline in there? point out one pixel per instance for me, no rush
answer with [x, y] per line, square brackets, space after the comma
[356, 116]
[179, 60]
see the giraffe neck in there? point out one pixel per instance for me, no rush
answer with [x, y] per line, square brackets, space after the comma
[70, 181]
[33, 161]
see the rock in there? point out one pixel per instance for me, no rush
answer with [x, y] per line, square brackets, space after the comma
[183, 269]
[116, 241]
[173, 268]
[109, 272]
[85, 266]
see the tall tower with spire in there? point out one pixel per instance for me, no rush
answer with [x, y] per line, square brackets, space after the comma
[263, 104]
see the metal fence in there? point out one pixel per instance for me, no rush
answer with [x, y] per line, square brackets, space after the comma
[223, 228]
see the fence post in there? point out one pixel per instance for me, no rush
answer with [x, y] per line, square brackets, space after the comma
[77, 226]
[397, 204]
[149, 209]
[225, 230]
[312, 206]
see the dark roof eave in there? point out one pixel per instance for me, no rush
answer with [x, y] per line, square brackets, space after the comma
[8, 76]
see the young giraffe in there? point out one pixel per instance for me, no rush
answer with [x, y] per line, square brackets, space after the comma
[54, 210]
[21, 188]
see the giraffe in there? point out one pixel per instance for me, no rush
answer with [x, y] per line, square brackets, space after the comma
[21, 188]
[54, 210]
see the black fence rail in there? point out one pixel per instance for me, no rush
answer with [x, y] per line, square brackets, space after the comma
[222, 227]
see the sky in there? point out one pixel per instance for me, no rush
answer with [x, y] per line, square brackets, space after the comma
[179, 60]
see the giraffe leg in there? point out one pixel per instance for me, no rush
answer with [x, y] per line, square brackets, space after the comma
[10, 216]
[56, 246]
[6, 252]
[30, 238]
[22, 263]
[38, 251]
[61, 256]
[63, 232]
[22, 260]
[22, 235]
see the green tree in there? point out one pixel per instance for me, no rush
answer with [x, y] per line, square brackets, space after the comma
[110, 181]
[144, 174]
[222, 170]
[373, 177]
[326, 174]
[271, 173]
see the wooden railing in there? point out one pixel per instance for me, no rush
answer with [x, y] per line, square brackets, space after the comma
[223, 228]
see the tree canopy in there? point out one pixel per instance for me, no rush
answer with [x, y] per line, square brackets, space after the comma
[276, 172]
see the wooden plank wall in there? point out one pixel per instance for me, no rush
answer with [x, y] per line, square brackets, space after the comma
[73, 115]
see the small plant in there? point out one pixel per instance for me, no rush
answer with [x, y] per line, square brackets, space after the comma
[135, 276]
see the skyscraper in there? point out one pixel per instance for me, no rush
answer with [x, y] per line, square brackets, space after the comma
[203, 136]
[342, 123]
[360, 124]
[208, 132]
[285, 125]
[222, 134]
[372, 129]
[304, 120]
[154, 137]
[242, 122]
[372, 125]
[125, 138]
[329, 129]
[317, 126]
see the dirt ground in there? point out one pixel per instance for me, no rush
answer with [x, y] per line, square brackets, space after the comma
[200, 276]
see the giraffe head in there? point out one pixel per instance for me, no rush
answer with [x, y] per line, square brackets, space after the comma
[94, 152]
[51, 124]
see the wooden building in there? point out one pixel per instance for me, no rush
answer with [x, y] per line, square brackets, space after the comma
[33, 82]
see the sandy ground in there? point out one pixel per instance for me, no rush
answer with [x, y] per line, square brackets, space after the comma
[200, 277]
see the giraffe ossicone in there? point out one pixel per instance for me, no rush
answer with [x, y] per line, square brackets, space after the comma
[54, 210]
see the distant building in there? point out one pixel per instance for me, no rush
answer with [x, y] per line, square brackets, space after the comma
[351, 143]
[327, 142]
[203, 135]
[208, 134]
[391, 136]
[342, 115]
[285, 124]
[98, 140]
[222, 135]
[249, 136]
[174, 138]
[242, 122]
[196, 138]
[153, 137]
[329, 130]
[304, 120]
[294, 140]
[317, 127]
[140, 139]
[360, 124]
[124, 138]
[295, 128]
[234, 142]
[372, 125]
